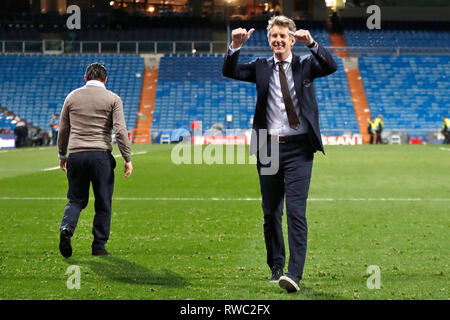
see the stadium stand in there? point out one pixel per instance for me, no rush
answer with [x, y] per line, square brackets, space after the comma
[411, 91]
[34, 86]
[104, 28]
[6, 124]
[397, 34]
[142, 34]
[191, 87]
[18, 31]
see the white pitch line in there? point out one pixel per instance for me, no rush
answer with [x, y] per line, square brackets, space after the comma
[227, 199]
[32, 198]
[115, 156]
[50, 169]
[445, 149]
[187, 199]
[378, 199]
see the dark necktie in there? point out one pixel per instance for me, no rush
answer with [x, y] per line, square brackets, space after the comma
[289, 105]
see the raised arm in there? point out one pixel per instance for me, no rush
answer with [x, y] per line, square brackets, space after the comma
[231, 68]
[239, 36]
[322, 63]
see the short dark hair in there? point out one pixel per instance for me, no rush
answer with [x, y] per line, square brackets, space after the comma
[95, 71]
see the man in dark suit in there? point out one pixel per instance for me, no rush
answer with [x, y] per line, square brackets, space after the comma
[287, 110]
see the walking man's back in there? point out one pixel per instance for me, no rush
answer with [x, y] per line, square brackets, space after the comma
[88, 116]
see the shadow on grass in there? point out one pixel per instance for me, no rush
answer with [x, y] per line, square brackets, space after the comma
[128, 272]
[314, 295]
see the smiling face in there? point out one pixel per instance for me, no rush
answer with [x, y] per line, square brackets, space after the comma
[280, 42]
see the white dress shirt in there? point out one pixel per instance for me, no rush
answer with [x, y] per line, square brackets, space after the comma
[277, 120]
[95, 83]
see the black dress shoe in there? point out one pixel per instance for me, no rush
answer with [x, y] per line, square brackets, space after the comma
[276, 275]
[289, 283]
[64, 243]
[102, 252]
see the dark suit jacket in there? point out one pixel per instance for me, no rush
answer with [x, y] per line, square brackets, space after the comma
[304, 69]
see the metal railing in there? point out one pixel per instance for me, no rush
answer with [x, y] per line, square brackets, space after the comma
[356, 51]
[392, 50]
[138, 47]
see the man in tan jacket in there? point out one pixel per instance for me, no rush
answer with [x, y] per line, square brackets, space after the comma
[88, 117]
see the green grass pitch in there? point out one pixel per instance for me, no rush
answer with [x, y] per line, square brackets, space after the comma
[195, 231]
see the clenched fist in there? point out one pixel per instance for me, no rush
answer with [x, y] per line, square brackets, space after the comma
[302, 36]
[239, 36]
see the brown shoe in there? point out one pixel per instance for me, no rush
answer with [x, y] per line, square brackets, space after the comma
[102, 252]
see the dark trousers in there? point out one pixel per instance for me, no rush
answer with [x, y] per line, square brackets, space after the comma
[291, 182]
[54, 137]
[82, 169]
[446, 137]
[378, 141]
[20, 141]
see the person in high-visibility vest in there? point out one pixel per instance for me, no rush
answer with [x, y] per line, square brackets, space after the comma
[379, 128]
[446, 129]
[54, 125]
[371, 129]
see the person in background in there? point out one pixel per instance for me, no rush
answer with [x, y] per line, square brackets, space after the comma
[371, 129]
[88, 116]
[54, 125]
[446, 129]
[379, 128]
[37, 138]
[21, 132]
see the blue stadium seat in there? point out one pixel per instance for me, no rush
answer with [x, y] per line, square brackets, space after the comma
[193, 88]
[410, 91]
[34, 86]
[395, 34]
